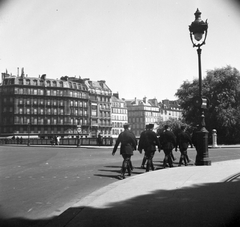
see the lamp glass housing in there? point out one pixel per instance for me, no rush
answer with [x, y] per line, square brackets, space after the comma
[198, 36]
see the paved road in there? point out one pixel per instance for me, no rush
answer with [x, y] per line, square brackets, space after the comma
[38, 182]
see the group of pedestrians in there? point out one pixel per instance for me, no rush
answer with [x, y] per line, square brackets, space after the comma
[149, 142]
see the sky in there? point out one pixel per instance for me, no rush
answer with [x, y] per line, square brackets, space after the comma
[141, 48]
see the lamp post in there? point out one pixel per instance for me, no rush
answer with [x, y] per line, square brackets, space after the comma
[198, 34]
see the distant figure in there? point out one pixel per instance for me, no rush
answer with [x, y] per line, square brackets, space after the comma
[57, 140]
[183, 141]
[168, 142]
[17, 140]
[100, 139]
[21, 140]
[128, 145]
[53, 140]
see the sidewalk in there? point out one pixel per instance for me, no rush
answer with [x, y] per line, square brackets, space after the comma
[181, 196]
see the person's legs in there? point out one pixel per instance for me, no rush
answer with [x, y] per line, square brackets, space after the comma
[169, 158]
[144, 161]
[165, 160]
[126, 165]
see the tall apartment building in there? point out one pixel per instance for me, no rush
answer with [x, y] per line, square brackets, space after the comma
[43, 107]
[170, 109]
[142, 112]
[119, 115]
[100, 107]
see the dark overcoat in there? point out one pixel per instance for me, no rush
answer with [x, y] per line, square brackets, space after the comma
[183, 141]
[128, 142]
[149, 141]
[168, 140]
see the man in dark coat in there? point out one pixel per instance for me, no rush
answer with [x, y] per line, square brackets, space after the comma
[128, 145]
[149, 143]
[183, 141]
[168, 142]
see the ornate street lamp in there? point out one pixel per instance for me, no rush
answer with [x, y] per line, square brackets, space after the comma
[198, 34]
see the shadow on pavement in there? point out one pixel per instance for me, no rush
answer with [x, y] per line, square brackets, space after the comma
[212, 204]
[109, 176]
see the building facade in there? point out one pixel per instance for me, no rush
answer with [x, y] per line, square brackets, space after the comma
[119, 115]
[69, 106]
[100, 107]
[142, 112]
[43, 107]
[170, 109]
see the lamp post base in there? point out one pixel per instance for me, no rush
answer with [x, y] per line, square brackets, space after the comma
[202, 158]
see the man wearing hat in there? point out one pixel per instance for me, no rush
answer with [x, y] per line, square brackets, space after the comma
[168, 142]
[149, 143]
[128, 145]
[183, 141]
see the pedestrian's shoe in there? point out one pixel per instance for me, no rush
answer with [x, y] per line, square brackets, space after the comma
[121, 177]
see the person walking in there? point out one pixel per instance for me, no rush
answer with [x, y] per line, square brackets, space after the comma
[183, 141]
[168, 142]
[128, 145]
[100, 139]
[141, 145]
[150, 141]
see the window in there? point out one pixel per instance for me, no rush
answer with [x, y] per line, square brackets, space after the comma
[40, 92]
[94, 111]
[54, 84]
[48, 83]
[54, 92]
[61, 111]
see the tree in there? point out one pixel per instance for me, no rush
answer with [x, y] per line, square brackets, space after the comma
[173, 123]
[222, 89]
